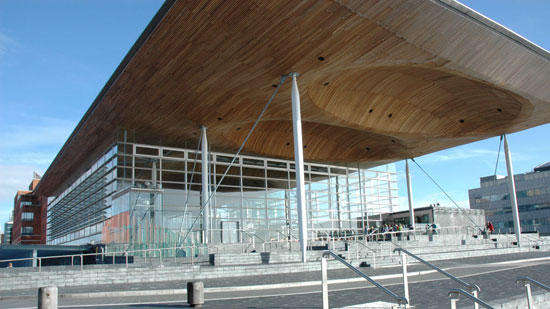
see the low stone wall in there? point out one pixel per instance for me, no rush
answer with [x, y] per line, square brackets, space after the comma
[13, 279]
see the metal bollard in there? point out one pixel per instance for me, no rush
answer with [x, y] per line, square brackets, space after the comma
[47, 297]
[195, 293]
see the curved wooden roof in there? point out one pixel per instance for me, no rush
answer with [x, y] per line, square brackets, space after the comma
[380, 81]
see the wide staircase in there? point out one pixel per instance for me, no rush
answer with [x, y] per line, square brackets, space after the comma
[271, 259]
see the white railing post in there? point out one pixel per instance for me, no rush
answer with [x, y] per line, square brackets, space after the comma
[81, 262]
[160, 256]
[324, 276]
[529, 297]
[453, 303]
[405, 277]
[39, 265]
[476, 305]
[126, 257]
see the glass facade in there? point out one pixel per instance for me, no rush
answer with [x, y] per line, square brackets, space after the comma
[144, 196]
[27, 216]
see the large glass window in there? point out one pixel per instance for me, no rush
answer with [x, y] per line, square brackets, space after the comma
[26, 230]
[142, 196]
[27, 216]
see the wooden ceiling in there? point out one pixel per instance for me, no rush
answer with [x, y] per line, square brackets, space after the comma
[380, 81]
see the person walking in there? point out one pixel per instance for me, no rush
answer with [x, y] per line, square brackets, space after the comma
[490, 227]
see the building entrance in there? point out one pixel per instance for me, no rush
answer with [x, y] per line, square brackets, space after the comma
[230, 234]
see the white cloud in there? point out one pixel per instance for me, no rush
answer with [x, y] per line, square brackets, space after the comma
[35, 158]
[433, 198]
[43, 132]
[462, 154]
[27, 147]
[459, 154]
[7, 44]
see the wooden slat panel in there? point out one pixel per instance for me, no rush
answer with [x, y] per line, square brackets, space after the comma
[432, 78]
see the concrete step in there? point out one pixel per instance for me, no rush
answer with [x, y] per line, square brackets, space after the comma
[375, 305]
[88, 276]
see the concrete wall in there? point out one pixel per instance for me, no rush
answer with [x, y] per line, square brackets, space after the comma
[459, 217]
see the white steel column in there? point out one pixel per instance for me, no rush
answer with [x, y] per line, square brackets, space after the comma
[410, 194]
[512, 189]
[299, 162]
[205, 178]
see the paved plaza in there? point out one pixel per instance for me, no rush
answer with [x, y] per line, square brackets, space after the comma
[494, 274]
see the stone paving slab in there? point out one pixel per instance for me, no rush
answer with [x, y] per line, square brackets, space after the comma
[426, 292]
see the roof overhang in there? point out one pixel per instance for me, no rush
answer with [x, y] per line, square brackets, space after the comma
[399, 79]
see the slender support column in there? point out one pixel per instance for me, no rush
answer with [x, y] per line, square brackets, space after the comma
[410, 195]
[299, 162]
[512, 189]
[204, 195]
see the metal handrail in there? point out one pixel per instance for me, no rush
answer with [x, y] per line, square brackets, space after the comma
[453, 293]
[277, 242]
[524, 280]
[355, 233]
[329, 237]
[471, 287]
[364, 245]
[289, 235]
[113, 254]
[253, 235]
[401, 300]
[372, 250]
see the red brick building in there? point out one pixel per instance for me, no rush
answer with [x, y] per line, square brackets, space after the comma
[29, 216]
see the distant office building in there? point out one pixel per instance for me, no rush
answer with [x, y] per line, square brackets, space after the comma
[533, 193]
[29, 218]
[7, 232]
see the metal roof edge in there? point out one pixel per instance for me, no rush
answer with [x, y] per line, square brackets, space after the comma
[155, 21]
[460, 8]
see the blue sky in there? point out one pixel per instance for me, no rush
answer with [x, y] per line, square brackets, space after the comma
[458, 169]
[55, 56]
